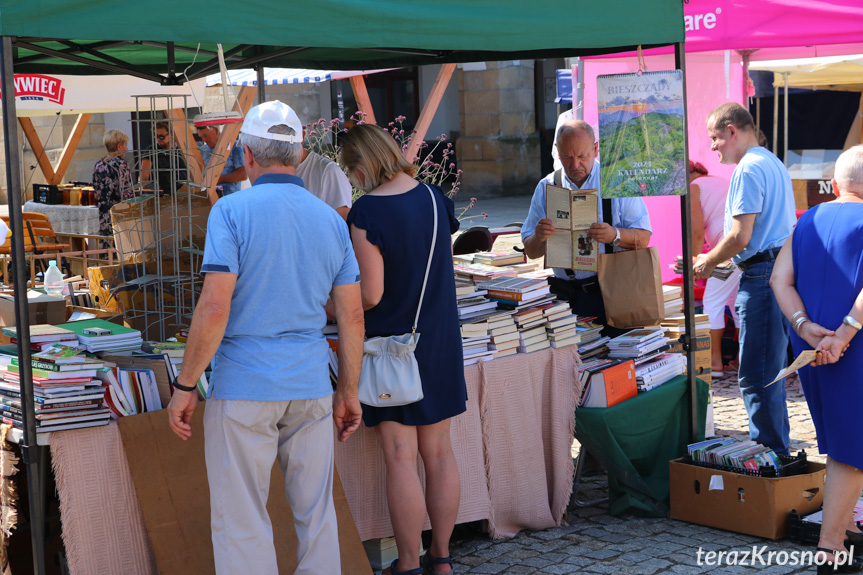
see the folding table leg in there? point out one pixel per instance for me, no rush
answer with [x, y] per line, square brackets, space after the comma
[576, 482]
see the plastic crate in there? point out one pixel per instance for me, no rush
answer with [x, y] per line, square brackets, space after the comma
[791, 465]
[47, 194]
[803, 532]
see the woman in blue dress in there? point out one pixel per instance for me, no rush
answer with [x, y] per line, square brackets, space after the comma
[391, 228]
[818, 282]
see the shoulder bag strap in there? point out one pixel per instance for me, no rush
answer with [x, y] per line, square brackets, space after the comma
[428, 264]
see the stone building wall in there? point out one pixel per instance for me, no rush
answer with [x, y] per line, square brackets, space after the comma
[498, 148]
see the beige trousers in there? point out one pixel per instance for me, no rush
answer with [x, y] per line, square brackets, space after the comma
[242, 440]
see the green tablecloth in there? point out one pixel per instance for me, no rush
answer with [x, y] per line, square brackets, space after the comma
[635, 440]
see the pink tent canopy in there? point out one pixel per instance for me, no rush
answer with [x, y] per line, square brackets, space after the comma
[751, 24]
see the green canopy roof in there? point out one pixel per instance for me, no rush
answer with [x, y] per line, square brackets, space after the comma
[158, 37]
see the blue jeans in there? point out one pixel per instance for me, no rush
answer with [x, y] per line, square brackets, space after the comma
[763, 354]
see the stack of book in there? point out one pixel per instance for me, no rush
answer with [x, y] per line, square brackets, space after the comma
[475, 342]
[734, 453]
[658, 370]
[483, 272]
[474, 305]
[100, 335]
[638, 344]
[43, 334]
[560, 324]
[503, 334]
[591, 342]
[673, 295]
[675, 325]
[498, 258]
[722, 271]
[532, 339]
[516, 292]
[66, 395]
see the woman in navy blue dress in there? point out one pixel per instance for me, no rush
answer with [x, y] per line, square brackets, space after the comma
[391, 229]
[818, 282]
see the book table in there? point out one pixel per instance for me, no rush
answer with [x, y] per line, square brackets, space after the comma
[513, 447]
[634, 440]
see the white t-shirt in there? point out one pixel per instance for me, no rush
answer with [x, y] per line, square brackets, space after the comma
[325, 179]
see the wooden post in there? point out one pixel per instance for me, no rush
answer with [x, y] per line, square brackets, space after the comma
[361, 95]
[860, 121]
[226, 139]
[186, 142]
[38, 149]
[429, 109]
[69, 148]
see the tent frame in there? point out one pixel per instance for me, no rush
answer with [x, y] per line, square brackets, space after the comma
[35, 456]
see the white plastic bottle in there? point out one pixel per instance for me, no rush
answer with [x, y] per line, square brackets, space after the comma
[53, 280]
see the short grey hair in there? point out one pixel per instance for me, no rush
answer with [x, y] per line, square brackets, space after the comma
[573, 127]
[849, 170]
[268, 152]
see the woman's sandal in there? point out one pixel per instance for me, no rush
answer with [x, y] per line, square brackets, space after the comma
[429, 562]
[847, 566]
[395, 571]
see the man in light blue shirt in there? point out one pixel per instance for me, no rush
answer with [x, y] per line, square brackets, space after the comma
[274, 255]
[233, 171]
[629, 227]
[759, 217]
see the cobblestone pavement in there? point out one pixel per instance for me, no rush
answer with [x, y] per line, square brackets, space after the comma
[595, 542]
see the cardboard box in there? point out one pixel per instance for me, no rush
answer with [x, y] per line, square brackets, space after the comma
[111, 316]
[703, 359]
[742, 503]
[43, 308]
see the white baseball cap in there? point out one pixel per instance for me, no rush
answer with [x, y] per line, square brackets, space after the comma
[264, 116]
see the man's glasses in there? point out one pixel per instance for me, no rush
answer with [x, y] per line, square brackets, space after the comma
[161, 137]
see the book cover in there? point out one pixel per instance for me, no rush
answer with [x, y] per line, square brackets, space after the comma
[572, 212]
[611, 386]
[641, 134]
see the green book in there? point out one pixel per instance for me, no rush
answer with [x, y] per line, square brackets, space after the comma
[117, 331]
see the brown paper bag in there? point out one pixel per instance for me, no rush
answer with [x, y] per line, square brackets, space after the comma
[631, 286]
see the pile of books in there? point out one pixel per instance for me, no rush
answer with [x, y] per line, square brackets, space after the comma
[658, 370]
[722, 271]
[173, 352]
[44, 334]
[474, 304]
[733, 453]
[475, 342]
[483, 272]
[606, 382]
[675, 325]
[638, 344]
[66, 395]
[513, 293]
[591, 342]
[560, 324]
[503, 334]
[498, 258]
[673, 296]
[100, 335]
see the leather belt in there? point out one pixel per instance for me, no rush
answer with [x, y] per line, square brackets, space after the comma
[764, 256]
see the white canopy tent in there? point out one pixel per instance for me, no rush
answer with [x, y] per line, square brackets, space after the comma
[276, 76]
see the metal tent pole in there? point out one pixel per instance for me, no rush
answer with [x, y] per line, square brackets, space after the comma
[775, 116]
[688, 277]
[785, 143]
[262, 83]
[30, 451]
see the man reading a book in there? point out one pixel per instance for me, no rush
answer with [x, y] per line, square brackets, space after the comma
[626, 227]
[274, 255]
[759, 217]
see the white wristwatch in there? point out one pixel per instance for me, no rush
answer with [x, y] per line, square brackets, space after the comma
[850, 321]
[616, 241]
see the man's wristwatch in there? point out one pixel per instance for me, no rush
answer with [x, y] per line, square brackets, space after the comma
[176, 385]
[616, 241]
[850, 321]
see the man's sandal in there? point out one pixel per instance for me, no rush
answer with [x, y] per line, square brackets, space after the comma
[429, 562]
[395, 571]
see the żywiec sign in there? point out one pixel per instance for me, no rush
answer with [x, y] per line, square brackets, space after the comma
[39, 87]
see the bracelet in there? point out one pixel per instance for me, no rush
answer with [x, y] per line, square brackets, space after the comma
[176, 385]
[800, 321]
[851, 322]
[797, 314]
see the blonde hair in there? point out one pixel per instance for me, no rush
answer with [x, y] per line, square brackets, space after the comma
[372, 152]
[113, 138]
[849, 170]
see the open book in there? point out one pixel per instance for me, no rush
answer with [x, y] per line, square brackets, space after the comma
[571, 212]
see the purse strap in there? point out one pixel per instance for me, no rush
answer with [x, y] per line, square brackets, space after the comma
[428, 264]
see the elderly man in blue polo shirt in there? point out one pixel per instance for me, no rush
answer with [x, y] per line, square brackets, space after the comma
[759, 217]
[233, 171]
[273, 256]
[629, 227]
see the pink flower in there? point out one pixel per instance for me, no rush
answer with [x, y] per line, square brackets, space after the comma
[473, 201]
[484, 215]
